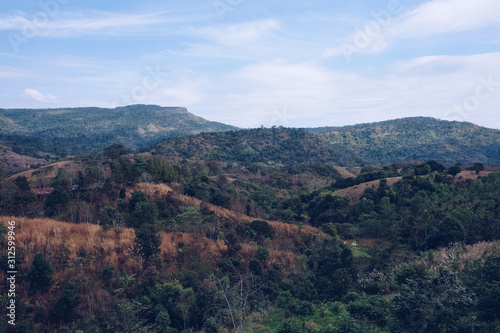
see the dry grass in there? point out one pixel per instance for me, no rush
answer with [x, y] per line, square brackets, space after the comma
[458, 256]
[348, 172]
[471, 175]
[81, 240]
[208, 250]
[356, 192]
[16, 162]
[283, 260]
[51, 170]
[154, 191]
[157, 191]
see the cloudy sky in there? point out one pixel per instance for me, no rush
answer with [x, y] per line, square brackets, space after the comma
[251, 62]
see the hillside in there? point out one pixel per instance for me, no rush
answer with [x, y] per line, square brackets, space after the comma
[278, 145]
[70, 131]
[149, 243]
[418, 138]
[10, 162]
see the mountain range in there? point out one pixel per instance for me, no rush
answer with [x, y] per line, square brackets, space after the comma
[417, 138]
[175, 131]
[70, 131]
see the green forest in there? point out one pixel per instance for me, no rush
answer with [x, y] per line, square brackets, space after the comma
[417, 138]
[254, 231]
[88, 130]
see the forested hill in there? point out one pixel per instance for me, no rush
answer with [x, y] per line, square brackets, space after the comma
[68, 131]
[279, 145]
[418, 138]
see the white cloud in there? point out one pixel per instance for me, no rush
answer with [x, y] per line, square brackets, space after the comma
[11, 73]
[442, 16]
[39, 97]
[238, 34]
[68, 24]
[432, 18]
[313, 95]
[186, 92]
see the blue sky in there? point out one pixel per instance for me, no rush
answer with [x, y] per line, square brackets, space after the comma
[252, 63]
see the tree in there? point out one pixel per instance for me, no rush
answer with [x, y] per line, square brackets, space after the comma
[161, 170]
[109, 216]
[163, 322]
[435, 166]
[290, 327]
[262, 229]
[346, 324]
[66, 304]
[137, 197]
[57, 202]
[436, 303]
[22, 184]
[115, 151]
[40, 274]
[173, 299]
[454, 170]
[187, 299]
[148, 240]
[478, 167]
[233, 245]
[144, 213]
[240, 294]
[210, 326]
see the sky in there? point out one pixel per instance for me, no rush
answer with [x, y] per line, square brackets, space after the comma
[252, 63]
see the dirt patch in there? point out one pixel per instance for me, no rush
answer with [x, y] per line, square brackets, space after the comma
[18, 163]
[471, 175]
[49, 171]
[356, 192]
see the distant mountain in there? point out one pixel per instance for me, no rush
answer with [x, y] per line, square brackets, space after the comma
[48, 133]
[418, 138]
[279, 145]
[67, 131]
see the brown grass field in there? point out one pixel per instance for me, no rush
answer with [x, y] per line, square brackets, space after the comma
[458, 256]
[97, 248]
[16, 162]
[156, 191]
[357, 191]
[49, 169]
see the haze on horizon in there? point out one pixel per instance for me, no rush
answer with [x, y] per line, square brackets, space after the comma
[251, 63]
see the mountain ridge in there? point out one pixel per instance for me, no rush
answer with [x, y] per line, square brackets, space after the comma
[416, 138]
[88, 130]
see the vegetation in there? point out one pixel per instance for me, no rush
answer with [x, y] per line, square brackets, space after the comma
[69, 131]
[253, 231]
[278, 145]
[419, 138]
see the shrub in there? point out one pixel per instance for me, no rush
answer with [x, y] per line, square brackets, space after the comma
[40, 274]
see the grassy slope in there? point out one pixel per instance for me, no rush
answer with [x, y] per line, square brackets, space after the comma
[15, 162]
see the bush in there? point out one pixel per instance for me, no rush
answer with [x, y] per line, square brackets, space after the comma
[289, 327]
[67, 303]
[40, 274]
[210, 326]
[262, 229]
